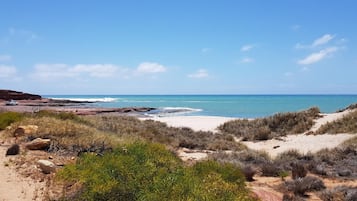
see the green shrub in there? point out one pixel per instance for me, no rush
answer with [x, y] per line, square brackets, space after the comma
[145, 171]
[8, 118]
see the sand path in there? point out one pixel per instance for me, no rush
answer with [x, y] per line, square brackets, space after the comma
[14, 187]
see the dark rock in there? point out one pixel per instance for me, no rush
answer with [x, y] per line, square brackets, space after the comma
[16, 95]
[13, 150]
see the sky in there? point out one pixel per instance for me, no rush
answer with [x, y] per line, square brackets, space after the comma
[178, 46]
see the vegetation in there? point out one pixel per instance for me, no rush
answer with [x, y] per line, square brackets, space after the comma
[274, 126]
[66, 136]
[7, 118]
[346, 193]
[347, 124]
[124, 126]
[145, 171]
[306, 184]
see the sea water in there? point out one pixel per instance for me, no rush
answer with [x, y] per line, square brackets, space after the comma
[243, 106]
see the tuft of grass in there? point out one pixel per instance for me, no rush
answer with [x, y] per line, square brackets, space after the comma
[277, 125]
[7, 118]
[145, 171]
[347, 124]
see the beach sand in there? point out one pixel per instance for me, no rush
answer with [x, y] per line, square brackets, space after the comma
[196, 123]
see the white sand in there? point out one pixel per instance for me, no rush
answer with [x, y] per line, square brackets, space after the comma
[197, 123]
[302, 143]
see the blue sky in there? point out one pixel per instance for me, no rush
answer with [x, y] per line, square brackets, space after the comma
[179, 47]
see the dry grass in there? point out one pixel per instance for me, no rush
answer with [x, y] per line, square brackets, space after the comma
[348, 124]
[274, 126]
[124, 126]
[66, 135]
[70, 133]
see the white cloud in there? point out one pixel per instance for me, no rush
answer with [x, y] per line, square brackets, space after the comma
[317, 42]
[7, 71]
[54, 71]
[150, 67]
[322, 40]
[247, 60]
[95, 70]
[201, 73]
[246, 48]
[317, 56]
[5, 57]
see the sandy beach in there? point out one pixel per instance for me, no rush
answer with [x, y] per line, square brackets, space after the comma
[196, 123]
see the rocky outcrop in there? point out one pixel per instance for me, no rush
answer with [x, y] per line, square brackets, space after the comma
[16, 95]
[46, 166]
[38, 144]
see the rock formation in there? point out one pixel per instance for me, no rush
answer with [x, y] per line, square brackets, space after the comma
[16, 95]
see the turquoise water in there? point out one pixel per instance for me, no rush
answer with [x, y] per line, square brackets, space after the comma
[245, 106]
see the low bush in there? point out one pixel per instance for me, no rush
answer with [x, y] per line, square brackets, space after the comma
[242, 158]
[307, 184]
[144, 171]
[7, 118]
[346, 193]
[271, 170]
[249, 172]
[277, 125]
[298, 170]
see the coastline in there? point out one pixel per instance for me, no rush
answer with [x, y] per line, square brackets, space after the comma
[302, 142]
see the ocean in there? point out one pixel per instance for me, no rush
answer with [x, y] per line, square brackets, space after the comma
[242, 106]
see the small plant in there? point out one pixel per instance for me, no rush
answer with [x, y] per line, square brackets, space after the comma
[283, 174]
